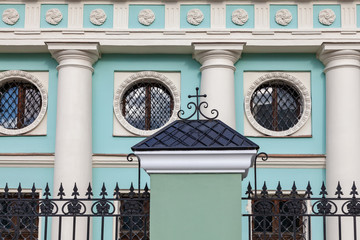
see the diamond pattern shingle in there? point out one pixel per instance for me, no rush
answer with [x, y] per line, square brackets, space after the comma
[196, 135]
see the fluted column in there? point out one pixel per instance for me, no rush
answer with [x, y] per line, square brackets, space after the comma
[342, 69]
[73, 149]
[217, 77]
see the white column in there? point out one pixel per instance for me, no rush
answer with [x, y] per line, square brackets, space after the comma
[342, 69]
[217, 77]
[73, 149]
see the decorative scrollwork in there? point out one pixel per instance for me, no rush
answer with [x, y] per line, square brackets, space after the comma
[146, 17]
[53, 16]
[324, 207]
[10, 16]
[327, 17]
[239, 16]
[283, 17]
[294, 207]
[98, 17]
[48, 207]
[103, 207]
[351, 207]
[263, 207]
[197, 107]
[195, 17]
[74, 207]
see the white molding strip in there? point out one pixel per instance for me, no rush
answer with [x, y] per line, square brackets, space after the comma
[46, 160]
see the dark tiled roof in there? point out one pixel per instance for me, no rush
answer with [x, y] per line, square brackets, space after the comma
[196, 135]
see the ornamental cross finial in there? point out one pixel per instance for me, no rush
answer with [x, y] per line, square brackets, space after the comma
[197, 108]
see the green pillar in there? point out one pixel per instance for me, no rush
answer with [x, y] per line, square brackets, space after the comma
[195, 206]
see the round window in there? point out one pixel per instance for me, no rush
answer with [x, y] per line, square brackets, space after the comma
[20, 104]
[23, 102]
[147, 105]
[276, 106]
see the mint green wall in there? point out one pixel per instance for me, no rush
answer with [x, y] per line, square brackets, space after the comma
[33, 144]
[206, 206]
[286, 62]
[103, 87]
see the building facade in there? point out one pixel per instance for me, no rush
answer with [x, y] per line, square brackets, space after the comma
[82, 82]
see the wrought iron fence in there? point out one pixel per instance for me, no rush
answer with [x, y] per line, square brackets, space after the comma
[22, 211]
[295, 214]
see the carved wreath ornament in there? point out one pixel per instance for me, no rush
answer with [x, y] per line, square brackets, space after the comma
[98, 17]
[10, 16]
[283, 17]
[239, 17]
[195, 17]
[53, 16]
[327, 17]
[146, 17]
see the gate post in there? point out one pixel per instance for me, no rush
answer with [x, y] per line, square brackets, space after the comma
[196, 169]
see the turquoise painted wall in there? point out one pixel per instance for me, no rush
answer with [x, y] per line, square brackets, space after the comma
[286, 62]
[103, 85]
[33, 144]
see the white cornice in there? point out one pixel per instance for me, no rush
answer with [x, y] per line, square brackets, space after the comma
[119, 161]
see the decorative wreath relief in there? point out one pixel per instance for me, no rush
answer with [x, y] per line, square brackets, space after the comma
[283, 17]
[146, 17]
[10, 16]
[97, 17]
[54, 16]
[239, 17]
[327, 17]
[195, 17]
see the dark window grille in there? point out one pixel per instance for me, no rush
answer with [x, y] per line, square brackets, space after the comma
[134, 223]
[147, 105]
[22, 225]
[20, 104]
[275, 220]
[276, 105]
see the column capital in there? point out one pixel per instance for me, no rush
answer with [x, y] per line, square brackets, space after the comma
[74, 54]
[215, 55]
[335, 55]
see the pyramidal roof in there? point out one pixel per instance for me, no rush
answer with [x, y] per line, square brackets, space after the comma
[196, 135]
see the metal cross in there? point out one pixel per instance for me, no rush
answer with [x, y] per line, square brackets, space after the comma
[197, 101]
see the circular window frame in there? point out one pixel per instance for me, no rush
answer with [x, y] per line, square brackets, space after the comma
[25, 76]
[294, 82]
[134, 79]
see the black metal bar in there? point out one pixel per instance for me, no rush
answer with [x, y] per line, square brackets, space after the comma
[46, 227]
[339, 226]
[88, 228]
[264, 158]
[309, 231]
[102, 228]
[74, 227]
[60, 226]
[116, 228]
[324, 225]
[355, 229]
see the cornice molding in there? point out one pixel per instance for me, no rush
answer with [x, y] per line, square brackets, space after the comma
[46, 160]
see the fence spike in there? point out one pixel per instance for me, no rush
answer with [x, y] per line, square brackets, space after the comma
[47, 191]
[264, 192]
[33, 191]
[89, 192]
[6, 191]
[353, 190]
[131, 193]
[338, 190]
[19, 189]
[308, 192]
[294, 192]
[278, 192]
[117, 191]
[323, 190]
[61, 193]
[103, 191]
[249, 191]
[75, 192]
[146, 193]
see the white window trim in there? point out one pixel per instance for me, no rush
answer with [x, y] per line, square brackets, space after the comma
[42, 85]
[293, 81]
[121, 89]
